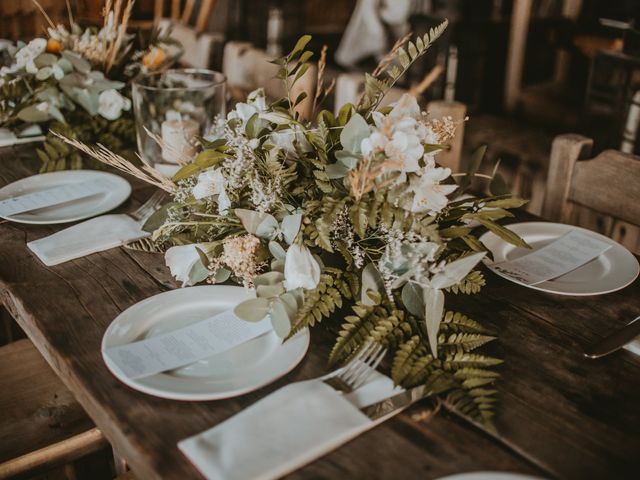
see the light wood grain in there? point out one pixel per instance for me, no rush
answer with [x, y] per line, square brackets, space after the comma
[602, 193]
[560, 415]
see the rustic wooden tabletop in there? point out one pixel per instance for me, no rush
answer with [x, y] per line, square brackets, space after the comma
[560, 414]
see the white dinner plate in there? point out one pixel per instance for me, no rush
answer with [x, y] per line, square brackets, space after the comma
[240, 370]
[70, 211]
[614, 269]
[489, 476]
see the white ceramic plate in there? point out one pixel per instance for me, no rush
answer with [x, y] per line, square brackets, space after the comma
[489, 476]
[240, 370]
[70, 211]
[614, 269]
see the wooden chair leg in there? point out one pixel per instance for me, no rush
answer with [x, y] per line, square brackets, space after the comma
[58, 453]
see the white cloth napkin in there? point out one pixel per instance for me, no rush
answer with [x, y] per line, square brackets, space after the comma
[95, 235]
[285, 430]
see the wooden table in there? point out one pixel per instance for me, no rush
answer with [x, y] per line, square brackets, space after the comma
[560, 414]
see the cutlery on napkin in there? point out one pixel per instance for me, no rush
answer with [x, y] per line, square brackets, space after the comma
[95, 235]
[292, 427]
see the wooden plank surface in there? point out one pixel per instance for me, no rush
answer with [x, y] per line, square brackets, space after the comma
[560, 415]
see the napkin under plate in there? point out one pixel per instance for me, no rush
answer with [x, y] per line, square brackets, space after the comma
[95, 235]
[285, 430]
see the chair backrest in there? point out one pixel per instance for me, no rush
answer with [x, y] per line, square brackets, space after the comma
[195, 14]
[602, 193]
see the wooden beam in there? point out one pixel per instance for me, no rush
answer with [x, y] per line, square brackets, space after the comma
[515, 55]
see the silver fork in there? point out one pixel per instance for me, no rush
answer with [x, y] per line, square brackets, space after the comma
[144, 211]
[358, 370]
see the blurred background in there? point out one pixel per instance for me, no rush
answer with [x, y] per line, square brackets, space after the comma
[523, 71]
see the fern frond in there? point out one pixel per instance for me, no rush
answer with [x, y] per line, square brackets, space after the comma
[470, 284]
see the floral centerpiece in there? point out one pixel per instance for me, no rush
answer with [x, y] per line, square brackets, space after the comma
[73, 82]
[347, 221]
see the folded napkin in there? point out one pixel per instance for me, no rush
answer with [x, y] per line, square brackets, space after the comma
[95, 235]
[285, 430]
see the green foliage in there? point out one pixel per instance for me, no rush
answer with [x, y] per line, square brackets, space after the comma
[376, 85]
[471, 284]
[117, 135]
[325, 299]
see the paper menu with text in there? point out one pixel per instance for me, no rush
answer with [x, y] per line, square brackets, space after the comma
[186, 345]
[561, 256]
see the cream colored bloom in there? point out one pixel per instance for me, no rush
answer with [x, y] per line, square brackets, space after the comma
[428, 194]
[111, 104]
[301, 270]
[185, 264]
[210, 182]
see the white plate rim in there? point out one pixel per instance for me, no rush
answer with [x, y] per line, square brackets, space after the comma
[303, 335]
[116, 202]
[544, 286]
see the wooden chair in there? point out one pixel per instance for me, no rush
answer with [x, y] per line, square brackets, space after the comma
[42, 426]
[601, 194]
[188, 24]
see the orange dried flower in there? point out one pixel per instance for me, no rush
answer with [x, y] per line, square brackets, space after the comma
[54, 46]
[154, 58]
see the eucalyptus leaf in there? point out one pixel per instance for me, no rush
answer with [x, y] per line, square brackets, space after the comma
[276, 250]
[268, 227]
[280, 319]
[221, 275]
[31, 114]
[412, 299]
[291, 227]
[251, 219]
[44, 73]
[353, 133]
[45, 60]
[157, 218]
[79, 63]
[253, 310]
[269, 291]
[336, 170]
[268, 278]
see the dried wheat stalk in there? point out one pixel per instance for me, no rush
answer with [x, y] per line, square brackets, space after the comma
[106, 156]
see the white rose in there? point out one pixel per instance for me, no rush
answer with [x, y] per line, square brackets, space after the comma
[301, 270]
[185, 264]
[111, 104]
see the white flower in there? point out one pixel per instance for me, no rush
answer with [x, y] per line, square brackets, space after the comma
[288, 139]
[256, 103]
[428, 194]
[26, 55]
[111, 104]
[301, 270]
[210, 182]
[185, 264]
[397, 136]
[406, 106]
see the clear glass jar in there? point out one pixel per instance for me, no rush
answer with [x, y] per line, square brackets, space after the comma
[175, 106]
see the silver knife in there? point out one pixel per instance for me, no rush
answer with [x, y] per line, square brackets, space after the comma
[615, 341]
[398, 402]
